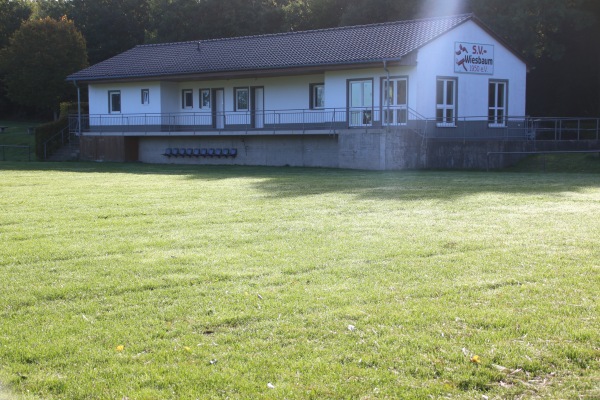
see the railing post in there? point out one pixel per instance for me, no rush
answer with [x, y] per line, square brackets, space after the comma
[303, 120]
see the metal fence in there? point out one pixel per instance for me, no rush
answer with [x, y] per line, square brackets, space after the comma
[15, 152]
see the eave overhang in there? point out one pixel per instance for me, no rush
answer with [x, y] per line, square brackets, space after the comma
[408, 60]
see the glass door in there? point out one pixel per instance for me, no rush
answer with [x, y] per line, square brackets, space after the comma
[361, 102]
[394, 102]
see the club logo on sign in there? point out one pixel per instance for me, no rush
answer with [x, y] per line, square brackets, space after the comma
[473, 58]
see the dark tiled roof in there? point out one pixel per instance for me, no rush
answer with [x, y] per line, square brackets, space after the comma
[336, 46]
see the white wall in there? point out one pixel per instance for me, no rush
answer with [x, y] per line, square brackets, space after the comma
[437, 60]
[131, 97]
[133, 112]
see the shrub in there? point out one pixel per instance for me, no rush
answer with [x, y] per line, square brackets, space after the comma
[48, 135]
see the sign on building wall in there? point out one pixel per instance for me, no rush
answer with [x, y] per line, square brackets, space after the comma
[473, 58]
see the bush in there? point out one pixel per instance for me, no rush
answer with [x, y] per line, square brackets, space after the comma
[48, 134]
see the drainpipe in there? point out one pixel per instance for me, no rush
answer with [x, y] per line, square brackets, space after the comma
[78, 108]
[387, 71]
[382, 149]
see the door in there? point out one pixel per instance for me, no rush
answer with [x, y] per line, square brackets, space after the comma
[395, 103]
[361, 102]
[219, 109]
[258, 107]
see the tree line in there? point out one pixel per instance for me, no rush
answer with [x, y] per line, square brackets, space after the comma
[560, 40]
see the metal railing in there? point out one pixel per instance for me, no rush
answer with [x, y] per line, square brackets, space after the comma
[55, 142]
[335, 119]
[565, 128]
[258, 120]
[514, 128]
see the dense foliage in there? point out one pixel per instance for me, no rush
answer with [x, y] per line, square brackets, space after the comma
[40, 55]
[558, 38]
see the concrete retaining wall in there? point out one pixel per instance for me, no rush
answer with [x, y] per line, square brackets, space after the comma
[296, 151]
[351, 149]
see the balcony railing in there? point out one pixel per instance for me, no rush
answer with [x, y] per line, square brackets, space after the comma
[327, 121]
[253, 121]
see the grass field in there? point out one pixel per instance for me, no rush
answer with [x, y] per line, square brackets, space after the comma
[166, 282]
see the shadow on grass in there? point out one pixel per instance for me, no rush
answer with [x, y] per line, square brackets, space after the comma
[284, 182]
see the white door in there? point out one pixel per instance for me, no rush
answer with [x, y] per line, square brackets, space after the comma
[219, 110]
[361, 103]
[395, 103]
[259, 107]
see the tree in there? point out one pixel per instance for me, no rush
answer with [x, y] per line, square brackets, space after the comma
[228, 18]
[560, 41]
[109, 26]
[173, 21]
[12, 15]
[38, 59]
[178, 20]
[538, 28]
[372, 11]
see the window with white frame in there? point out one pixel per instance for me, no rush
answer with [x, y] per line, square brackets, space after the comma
[497, 103]
[114, 101]
[394, 101]
[205, 99]
[187, 99]
[242, 99]
[446, 90]
[317, 95]
[145, 96]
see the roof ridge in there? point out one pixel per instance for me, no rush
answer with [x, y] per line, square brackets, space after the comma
[336, 28]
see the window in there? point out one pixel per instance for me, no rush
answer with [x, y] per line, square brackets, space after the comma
[361, 102]
[145, 96]
[446, 102]
[394, 101]
[205, 98]
[317, 95]
[497, 106]
[114, 101]
[242, 99]
[187, 98]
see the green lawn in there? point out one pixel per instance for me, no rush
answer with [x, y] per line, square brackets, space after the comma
[166, 282]
[571, 163]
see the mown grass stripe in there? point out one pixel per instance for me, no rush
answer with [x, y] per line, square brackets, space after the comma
[219, 280]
